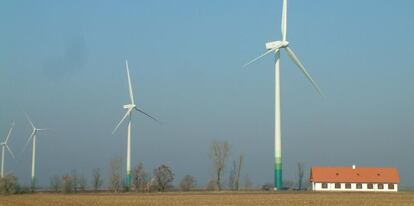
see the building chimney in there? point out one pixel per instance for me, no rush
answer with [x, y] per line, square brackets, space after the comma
[353, 167]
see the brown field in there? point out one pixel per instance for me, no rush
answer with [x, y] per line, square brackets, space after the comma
[211, 198]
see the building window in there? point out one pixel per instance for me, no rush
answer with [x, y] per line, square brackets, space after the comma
[348, 186]
[359, 186]
[390, 186]
[370, 186]
[380, 186]
[337, 185]
[324, 185]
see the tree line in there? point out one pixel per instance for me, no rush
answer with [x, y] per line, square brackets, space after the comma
[160, 180]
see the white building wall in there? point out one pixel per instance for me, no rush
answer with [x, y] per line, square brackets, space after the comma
[317, 186]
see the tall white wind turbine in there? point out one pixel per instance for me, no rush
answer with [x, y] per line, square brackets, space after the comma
[33, 138]
[129, 109]
[4, 146]
[275, 47]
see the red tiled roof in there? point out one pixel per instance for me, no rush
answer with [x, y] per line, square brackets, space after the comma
[357, 175]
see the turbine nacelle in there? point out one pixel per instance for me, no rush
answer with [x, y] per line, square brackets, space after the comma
[276, 45]
[129, 106]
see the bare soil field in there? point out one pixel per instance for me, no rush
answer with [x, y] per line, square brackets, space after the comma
[211, 198]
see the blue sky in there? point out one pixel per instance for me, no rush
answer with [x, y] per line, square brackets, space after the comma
[63, 63]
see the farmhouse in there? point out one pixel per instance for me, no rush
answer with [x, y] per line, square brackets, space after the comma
[354, 179]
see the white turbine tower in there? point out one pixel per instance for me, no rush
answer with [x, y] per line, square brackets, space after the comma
[275, 47]
[130, 108]
[4, 146]
[33, 137]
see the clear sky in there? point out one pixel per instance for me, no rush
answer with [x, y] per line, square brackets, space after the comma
[63, 63]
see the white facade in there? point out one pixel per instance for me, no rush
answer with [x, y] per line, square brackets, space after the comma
[317, 186]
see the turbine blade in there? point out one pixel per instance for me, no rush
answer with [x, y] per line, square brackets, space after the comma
[11, 153]
[123, 118]
[44, 129]
[131, 95]
[296, 60]
[284, 20]
[259, 57]
[140, 110]
[30, 121]
[28, 140]
[10, 131]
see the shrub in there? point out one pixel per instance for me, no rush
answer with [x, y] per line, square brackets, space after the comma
[267, 187]
[8, 184]
[67, 184]
[187, 183]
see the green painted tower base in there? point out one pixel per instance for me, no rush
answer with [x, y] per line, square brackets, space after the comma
[278, 173]
[33, 184]
[127, 182]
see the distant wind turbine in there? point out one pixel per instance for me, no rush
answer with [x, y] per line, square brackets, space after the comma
[130, 108]
[33, 137]
[4, 146]
[275, 47]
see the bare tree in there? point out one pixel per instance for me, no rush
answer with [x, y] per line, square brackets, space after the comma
[115, 174]
[238, 171]
[83, 183]
[247, 182]
[67, 184]
[163, 177]
[187, 183]
[55, 183]
[140, 178]
[96, 179]
[150, 184]
[75, 179]
[234, 179]
[146, 180]
[232, 176]
[301, 173]
[212, 185]
[219, 152]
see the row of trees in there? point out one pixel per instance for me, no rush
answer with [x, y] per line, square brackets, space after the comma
[163, 176]
[75, 183]
[160, 179]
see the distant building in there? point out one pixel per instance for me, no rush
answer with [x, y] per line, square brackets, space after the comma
[367, 179]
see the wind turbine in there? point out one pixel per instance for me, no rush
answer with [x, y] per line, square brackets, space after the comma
[275, 47]
[33, 137]
[129, 109]
[4, 146]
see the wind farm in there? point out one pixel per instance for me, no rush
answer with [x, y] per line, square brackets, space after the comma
[320, 117]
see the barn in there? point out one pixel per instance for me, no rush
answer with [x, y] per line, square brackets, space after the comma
[352, 178]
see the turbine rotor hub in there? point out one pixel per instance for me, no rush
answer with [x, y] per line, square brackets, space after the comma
[284, 44]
